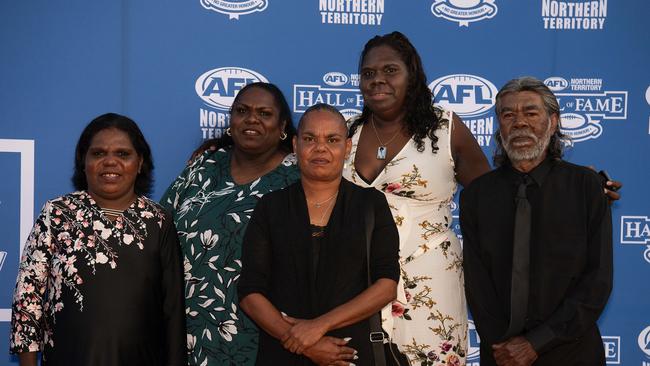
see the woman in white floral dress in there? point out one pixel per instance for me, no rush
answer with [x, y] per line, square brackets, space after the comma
[416, 153]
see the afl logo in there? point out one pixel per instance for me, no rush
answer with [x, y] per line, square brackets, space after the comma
[644, 341]
[218, 87]
[335, 79]
[467, 95]
[556, 83]
[235, 8]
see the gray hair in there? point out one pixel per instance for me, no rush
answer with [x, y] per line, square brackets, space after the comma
[528, 83]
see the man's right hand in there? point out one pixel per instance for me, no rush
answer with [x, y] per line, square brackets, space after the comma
[331, 351]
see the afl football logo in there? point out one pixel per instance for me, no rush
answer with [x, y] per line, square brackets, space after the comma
[335, 79]
[235, 8]
[578, 127]
[348, 113]
[464, 11]
[218, 87]
[467, 95]
[556, 83]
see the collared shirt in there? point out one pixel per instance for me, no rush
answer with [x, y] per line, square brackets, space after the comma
[570, 252]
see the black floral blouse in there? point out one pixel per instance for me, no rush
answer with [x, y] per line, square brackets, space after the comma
[92, 291]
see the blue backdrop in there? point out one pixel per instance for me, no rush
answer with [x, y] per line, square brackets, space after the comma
[174, 67]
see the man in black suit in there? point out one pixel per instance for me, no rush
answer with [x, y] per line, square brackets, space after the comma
[537, 241]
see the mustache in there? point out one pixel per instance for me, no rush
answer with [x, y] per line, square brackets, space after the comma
[521, 133]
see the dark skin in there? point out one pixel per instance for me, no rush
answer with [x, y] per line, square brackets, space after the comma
[255, 128]
[469, 159]
[384, 83]
[27, 359]
[516, 351]
[321, 146]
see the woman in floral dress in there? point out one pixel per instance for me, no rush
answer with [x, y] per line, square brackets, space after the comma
[100, 281]
[416, 153]
[212, 201]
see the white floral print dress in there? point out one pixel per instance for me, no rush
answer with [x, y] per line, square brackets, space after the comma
[428, 321]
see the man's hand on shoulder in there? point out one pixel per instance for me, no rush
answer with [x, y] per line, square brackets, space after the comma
[516, 351]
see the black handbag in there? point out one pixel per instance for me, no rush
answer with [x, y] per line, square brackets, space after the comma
[386, 353]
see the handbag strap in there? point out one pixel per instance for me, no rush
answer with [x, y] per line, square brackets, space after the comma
[376, 332]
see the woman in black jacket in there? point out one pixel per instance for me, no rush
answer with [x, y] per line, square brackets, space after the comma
[305, 277]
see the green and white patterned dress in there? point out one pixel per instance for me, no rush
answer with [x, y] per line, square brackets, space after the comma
[211, 213]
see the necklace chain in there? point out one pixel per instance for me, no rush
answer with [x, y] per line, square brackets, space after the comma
[319, 204]
[372, 122]
[326, 209]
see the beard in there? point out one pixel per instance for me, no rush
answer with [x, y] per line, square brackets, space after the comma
[534, 152]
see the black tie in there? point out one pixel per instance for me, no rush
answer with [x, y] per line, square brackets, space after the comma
[520, 262]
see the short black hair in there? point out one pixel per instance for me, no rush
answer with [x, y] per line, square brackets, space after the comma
[144, 179]
[322, 107]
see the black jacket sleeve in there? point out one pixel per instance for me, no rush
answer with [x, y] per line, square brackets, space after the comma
[585, 302]
[256, 254]
[173, 296]
[489, 318]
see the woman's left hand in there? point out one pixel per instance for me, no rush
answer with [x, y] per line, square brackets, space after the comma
[303, 334]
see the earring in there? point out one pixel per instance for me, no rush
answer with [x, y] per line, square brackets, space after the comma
[283, 136]
[228, 131]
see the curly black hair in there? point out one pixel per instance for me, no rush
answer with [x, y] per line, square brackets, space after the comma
[144, 179]
[422, 118]
[284, 115]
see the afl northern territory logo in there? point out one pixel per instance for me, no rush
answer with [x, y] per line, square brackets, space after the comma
[235, 8]
[584, 105]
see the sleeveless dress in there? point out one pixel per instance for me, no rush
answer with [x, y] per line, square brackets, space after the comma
[428, 320]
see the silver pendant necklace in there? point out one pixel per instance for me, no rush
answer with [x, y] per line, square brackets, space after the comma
[382, 150]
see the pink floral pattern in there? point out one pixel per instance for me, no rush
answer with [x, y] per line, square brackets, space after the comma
[71, 233]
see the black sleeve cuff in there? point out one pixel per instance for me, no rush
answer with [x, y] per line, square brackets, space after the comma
[540, 337]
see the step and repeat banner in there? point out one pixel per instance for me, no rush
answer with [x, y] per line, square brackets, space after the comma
[175, 67]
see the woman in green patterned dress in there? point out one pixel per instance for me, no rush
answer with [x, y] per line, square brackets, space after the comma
[211, 202]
